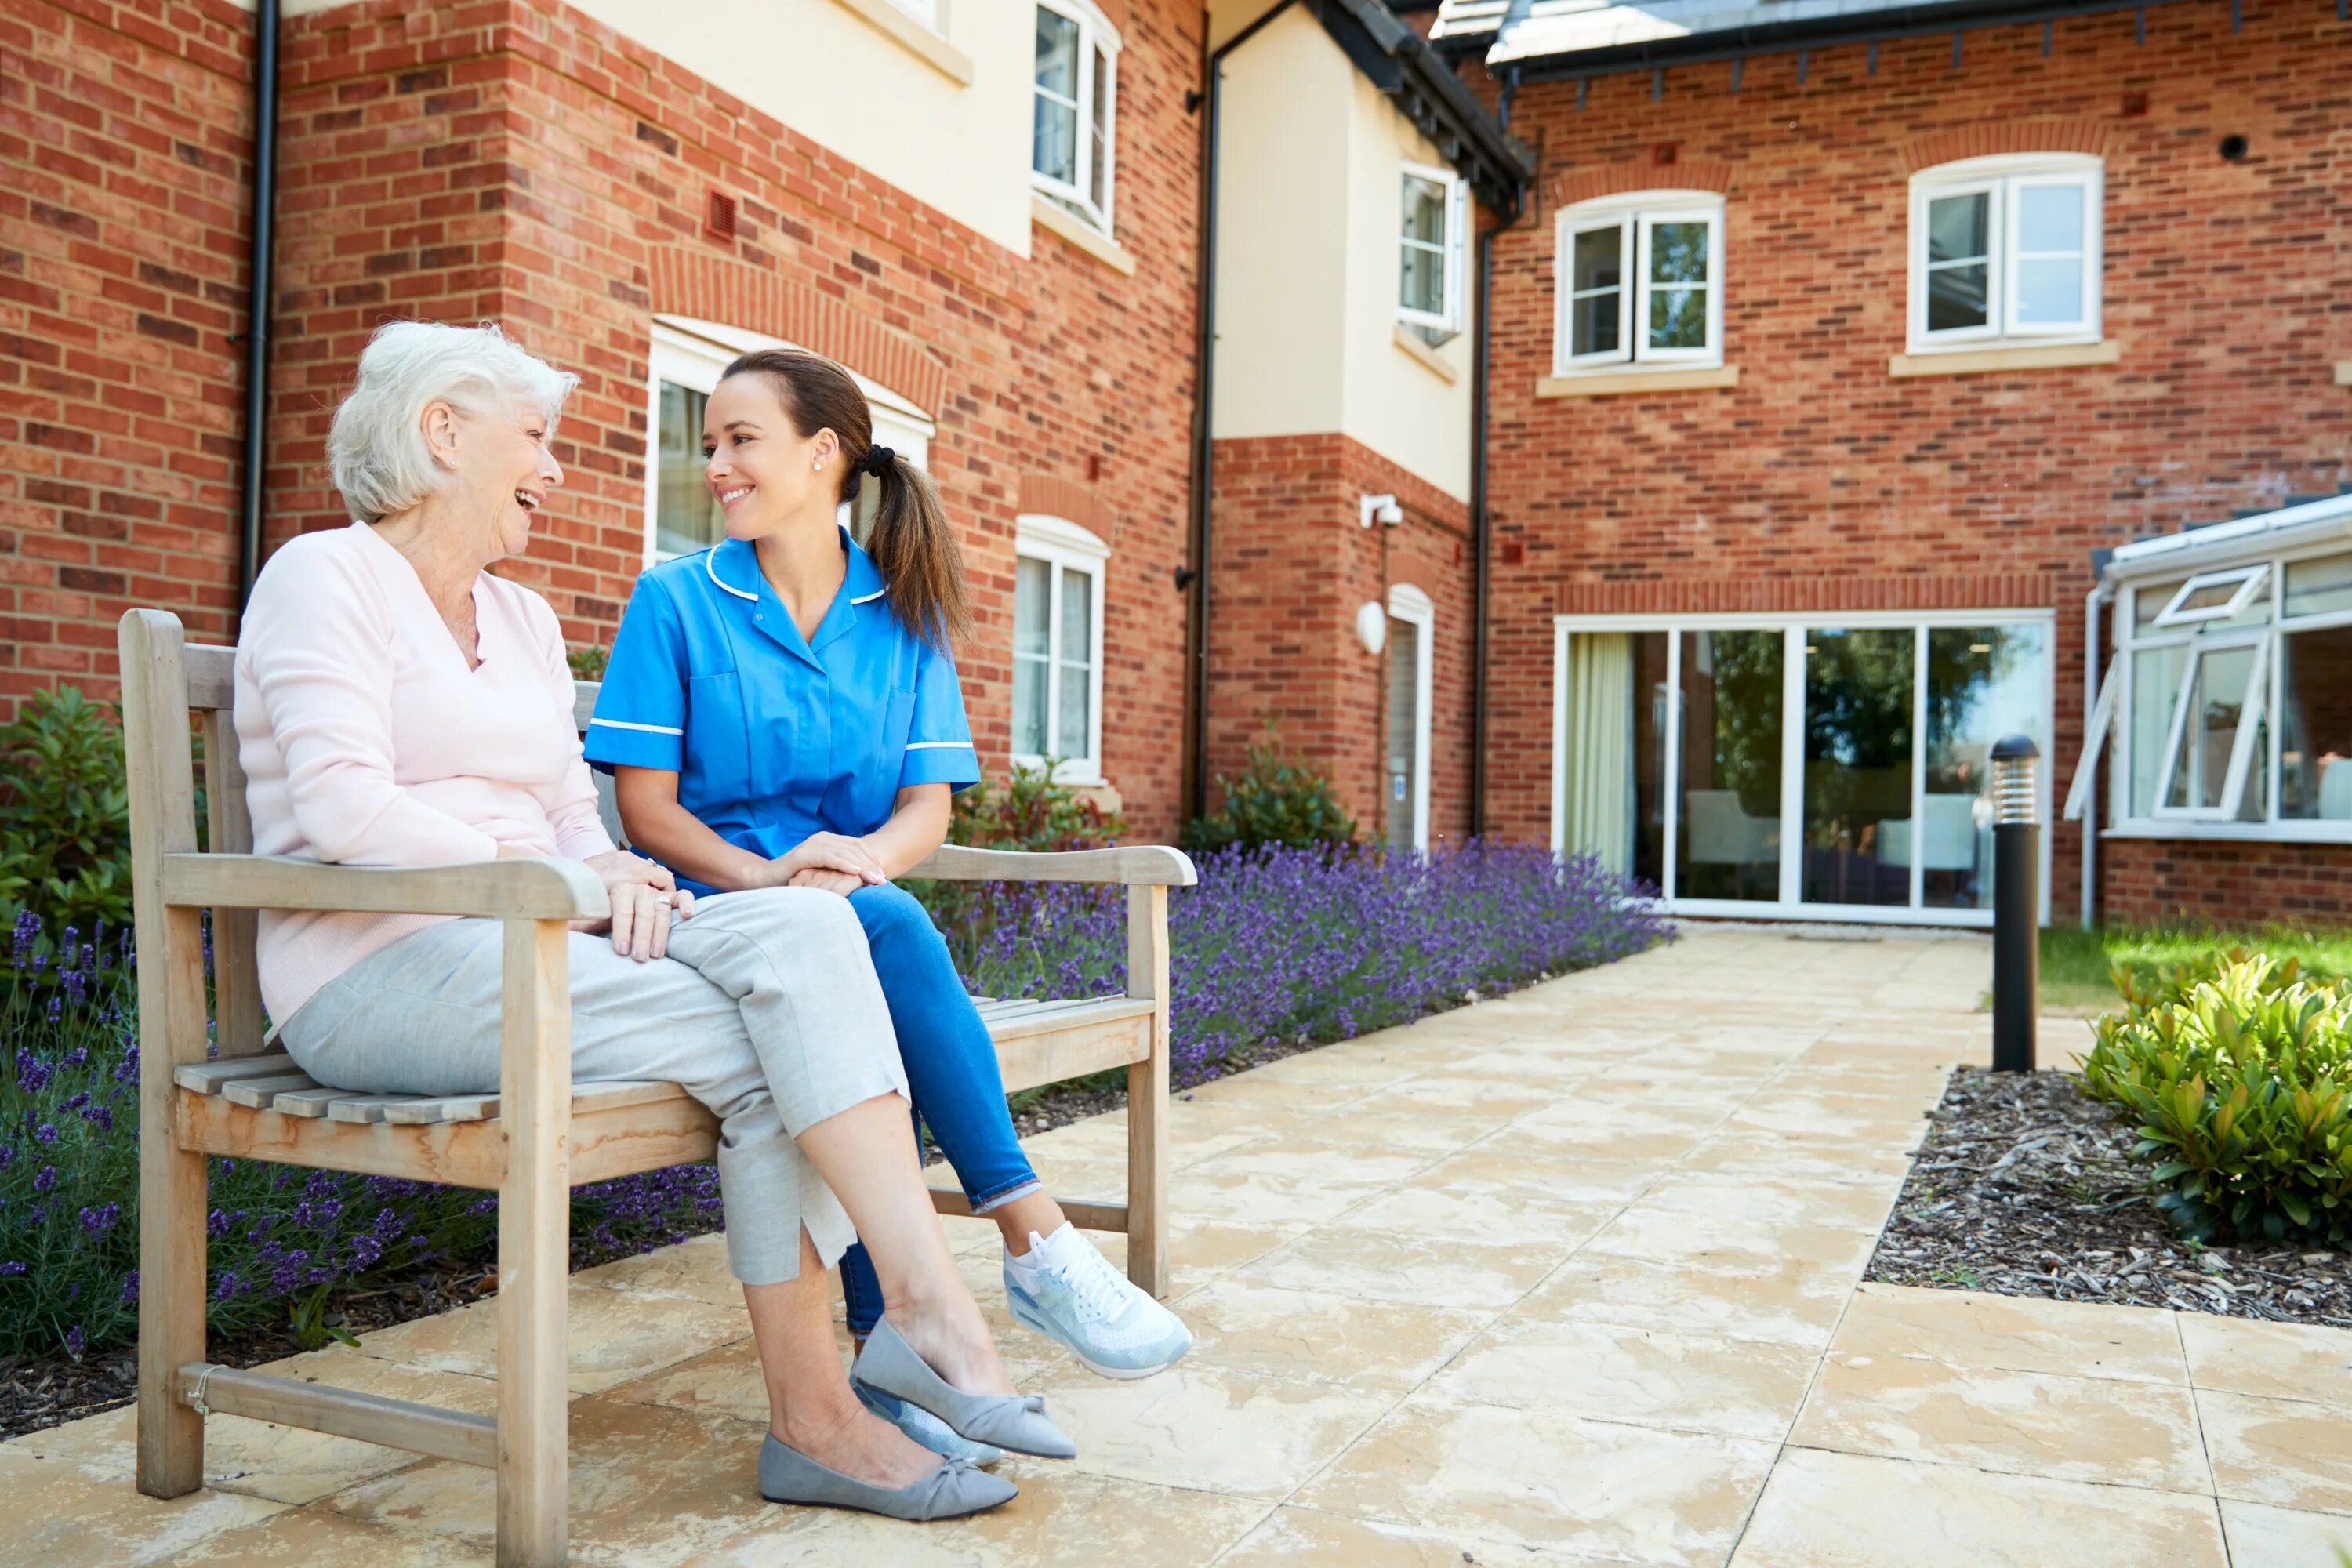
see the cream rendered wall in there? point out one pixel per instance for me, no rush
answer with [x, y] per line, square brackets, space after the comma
[836, 79]
[1282, 228]
[1392, 403]
[1310, 197]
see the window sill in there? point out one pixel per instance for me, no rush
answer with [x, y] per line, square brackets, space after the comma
[1624, 383]
[1421, 354]
[1056, 218]
[2008, 356]
[2303, 832]
[915, 38]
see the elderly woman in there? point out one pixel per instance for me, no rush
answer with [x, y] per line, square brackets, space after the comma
[396, 705]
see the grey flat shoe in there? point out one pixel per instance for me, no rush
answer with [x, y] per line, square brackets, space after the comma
[951, 1491]
[1015, 1422]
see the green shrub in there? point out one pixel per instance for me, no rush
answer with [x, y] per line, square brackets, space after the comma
[65, 830]
[2150, 985]
[1274, 800]
[1031, 811]
[587, 661]
[2239, 1088]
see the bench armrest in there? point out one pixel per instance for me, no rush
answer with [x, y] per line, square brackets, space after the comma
[1130, 865]
[534, 889]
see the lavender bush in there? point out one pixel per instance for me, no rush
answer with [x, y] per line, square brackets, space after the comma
[281, 1238]
[1316, 943]
[1275, 944]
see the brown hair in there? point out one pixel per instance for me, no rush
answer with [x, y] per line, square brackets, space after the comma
[912, 541]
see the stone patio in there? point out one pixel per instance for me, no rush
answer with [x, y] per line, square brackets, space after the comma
[1568, 1277]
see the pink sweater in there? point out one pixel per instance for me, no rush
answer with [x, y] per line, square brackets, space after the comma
[367, 740]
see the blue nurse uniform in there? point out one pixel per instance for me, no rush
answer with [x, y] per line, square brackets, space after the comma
[774, 737]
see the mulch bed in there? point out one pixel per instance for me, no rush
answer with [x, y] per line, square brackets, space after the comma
[40, 1392]
[2025, 1187]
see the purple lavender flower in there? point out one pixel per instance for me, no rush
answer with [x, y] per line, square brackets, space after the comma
[26, 932]
[46, 1179]
[11, 1268]
[97, 1222]
[75, 1343]
[129, 1295]
[33, 1074]
[47, 1132]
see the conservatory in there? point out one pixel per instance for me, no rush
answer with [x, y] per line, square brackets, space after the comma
[2225, 708]
[1830, 766]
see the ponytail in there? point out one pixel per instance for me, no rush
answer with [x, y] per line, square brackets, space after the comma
[912, 541]
[915, 546]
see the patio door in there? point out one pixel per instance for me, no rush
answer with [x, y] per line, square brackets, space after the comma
[1824, 771]
[1404, 794]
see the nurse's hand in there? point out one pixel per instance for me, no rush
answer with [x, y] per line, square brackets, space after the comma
[830, 852]
[645, 898]
[840, 883]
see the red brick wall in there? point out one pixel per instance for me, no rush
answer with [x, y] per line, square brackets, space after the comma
[125, 134]
[1291, 563]
[511, 160]
[2224, 883]
[1821, 479]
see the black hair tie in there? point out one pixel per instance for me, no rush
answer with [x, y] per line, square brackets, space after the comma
[877, 461]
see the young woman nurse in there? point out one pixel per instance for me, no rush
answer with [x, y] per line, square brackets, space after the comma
[786, 695]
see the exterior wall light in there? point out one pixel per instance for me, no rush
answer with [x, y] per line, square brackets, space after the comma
[1379, 508]
[1371, 622]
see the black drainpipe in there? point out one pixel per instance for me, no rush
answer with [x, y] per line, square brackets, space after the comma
[1481, 530]
[1196, 576]
[257, 333]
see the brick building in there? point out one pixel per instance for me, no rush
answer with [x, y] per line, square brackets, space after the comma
[1827, 374]
[1836, 366]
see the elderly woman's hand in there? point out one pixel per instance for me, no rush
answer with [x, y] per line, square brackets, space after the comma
[645, 898]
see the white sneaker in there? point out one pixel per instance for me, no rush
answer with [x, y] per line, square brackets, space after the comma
[1068, 1291]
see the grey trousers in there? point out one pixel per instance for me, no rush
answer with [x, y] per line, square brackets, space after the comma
[767, 1010]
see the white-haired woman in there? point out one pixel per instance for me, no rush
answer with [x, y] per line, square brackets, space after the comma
[396, 705]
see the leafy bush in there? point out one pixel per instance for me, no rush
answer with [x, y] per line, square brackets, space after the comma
[2238, 1081]
[65, 830]
[1276, 799]
[1031, 811]
[587, 661]
[2149, 985]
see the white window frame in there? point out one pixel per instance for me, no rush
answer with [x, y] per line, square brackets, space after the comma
[929, 14]
[1095, 34]
[1793, 627]
[2002, 180]
[694, 354]
[1634, 217]
[1448, 317]
[1063, 545]
[2248, 579]
[2265, 698]
[1413, 606]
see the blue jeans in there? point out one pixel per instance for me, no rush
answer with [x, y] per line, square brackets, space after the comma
[951, 1071]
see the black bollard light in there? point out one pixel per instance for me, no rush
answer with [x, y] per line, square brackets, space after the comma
[2016, 903]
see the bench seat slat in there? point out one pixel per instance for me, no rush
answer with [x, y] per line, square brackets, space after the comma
[212, 1076]
[259, 1092]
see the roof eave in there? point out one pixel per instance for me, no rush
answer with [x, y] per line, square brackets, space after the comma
[1425, 90]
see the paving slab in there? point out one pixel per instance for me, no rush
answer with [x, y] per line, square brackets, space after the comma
[1567, 1279]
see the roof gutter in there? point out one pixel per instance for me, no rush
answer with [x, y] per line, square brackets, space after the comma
[1194, 576]
[257, 330]
[1820, 33]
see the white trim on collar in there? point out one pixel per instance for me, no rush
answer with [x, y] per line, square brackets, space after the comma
[710, 570]
[869, 598]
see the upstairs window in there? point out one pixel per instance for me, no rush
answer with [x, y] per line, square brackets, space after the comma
[2006, 248]
[1435, 221]
[1073, 149]
[1640, 281]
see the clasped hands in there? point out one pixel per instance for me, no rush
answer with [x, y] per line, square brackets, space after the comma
[829, 862]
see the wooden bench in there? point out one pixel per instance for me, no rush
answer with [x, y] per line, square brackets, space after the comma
[530, 1142]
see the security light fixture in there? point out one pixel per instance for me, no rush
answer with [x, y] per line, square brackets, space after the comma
[1379, 508]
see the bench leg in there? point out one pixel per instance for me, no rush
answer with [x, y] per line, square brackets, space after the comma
[1147, 1095]
[171, 1196]
[534, 1247]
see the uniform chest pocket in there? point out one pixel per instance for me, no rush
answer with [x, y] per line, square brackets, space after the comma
[718, 738]
[883, 756]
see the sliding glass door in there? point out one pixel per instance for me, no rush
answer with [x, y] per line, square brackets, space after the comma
[1825, 769]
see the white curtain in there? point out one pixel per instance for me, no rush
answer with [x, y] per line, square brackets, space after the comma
[1599, 789]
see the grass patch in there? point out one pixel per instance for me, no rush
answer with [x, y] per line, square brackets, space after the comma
[2077, 964]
